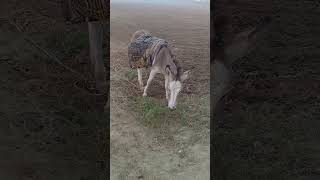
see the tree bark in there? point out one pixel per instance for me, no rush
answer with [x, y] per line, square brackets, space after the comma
[96, 55]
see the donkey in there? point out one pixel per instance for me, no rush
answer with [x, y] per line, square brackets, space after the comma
[161, 61]
[227, 48]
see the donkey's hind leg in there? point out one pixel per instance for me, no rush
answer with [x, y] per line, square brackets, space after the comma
[140, 78]
[151, 76]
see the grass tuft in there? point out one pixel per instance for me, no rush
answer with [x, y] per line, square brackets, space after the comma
[131, 75]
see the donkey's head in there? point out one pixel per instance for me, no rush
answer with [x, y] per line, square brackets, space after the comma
[176, 77]
[227, 48]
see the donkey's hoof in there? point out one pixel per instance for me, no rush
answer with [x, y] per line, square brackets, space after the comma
[144, 94]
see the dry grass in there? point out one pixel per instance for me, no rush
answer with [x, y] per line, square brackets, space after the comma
[153, 113]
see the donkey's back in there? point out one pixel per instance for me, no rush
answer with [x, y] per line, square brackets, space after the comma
[138, 34]
[143, 49]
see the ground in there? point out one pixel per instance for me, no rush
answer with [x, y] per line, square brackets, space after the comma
[272, 115]
[148, 141]
[50, 128]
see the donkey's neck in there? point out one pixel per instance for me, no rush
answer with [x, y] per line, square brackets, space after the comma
[178, 70]
[166, 60]
[174, 65]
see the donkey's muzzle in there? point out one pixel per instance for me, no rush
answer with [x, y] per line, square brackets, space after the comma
[172, 107]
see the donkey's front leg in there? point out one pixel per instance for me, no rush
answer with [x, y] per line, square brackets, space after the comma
[140, 78]
[166, 85]
[151, 76]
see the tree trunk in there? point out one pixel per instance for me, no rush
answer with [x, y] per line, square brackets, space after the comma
[96, 55]
[97, 63]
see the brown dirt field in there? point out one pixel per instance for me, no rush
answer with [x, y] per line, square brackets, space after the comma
[178, 148]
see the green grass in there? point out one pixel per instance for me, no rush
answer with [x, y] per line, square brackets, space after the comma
[155, 114]
[152, 113]
[190, 112]
[131, 75]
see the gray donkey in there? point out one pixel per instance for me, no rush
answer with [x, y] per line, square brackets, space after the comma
[145, 50]
[227, 47]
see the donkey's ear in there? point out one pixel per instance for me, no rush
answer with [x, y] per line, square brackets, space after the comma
[244, 41]
[240, 45]
[185, 75]
[168, 71]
